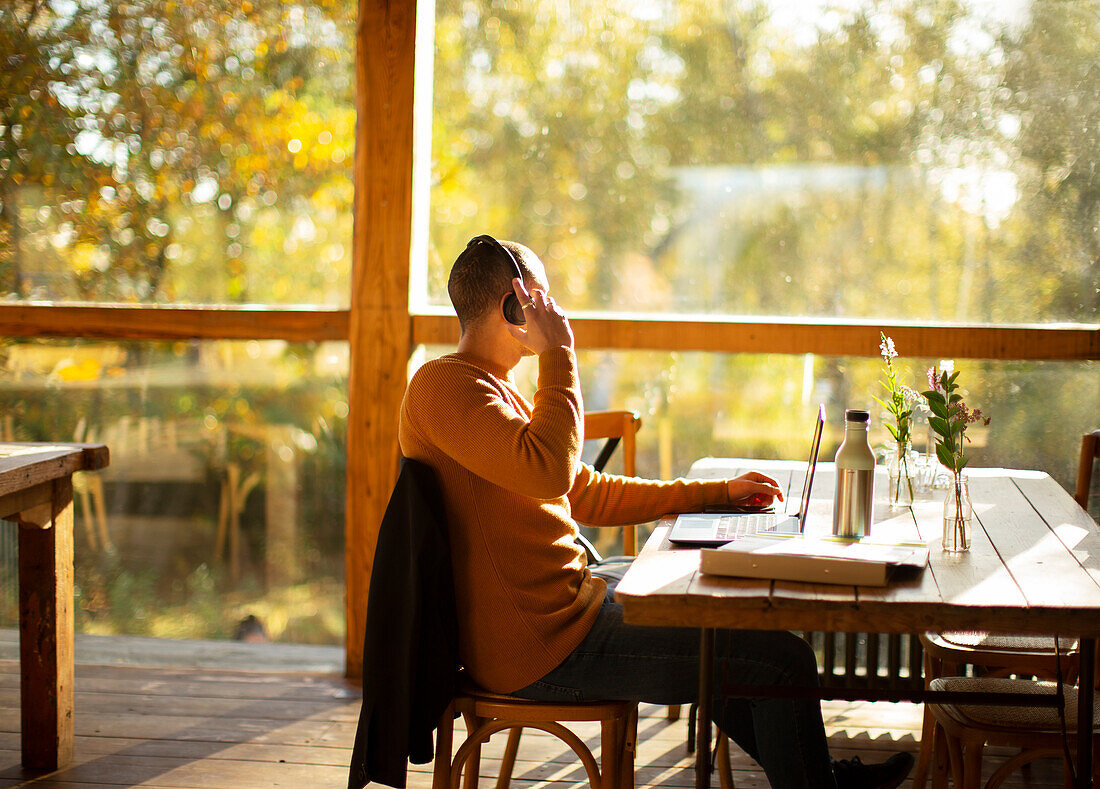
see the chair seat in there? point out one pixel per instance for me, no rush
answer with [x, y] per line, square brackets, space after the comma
[1009, 643]
[501, 705]
[1006, 718]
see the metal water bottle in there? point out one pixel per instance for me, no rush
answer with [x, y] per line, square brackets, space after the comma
[855, 478]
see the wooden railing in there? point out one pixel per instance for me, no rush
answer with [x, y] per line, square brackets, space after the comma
[619, 331]
[155, 322]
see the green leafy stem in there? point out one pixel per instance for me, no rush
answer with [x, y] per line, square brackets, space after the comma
[949, 419]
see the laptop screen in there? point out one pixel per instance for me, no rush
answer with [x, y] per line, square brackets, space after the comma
[811, 467]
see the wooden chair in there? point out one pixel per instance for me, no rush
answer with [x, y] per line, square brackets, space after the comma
[1090, 450]
[88, 487]
[613, 427]
[487, 713]
[968, 728]
[947, 653]
[413, 531]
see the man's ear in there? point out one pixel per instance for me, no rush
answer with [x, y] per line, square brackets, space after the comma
[511, 311]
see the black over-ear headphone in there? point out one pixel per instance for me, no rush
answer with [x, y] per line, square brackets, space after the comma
[513, 312]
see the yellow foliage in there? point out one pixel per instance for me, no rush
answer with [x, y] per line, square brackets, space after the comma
[85, 370]
[85, 256]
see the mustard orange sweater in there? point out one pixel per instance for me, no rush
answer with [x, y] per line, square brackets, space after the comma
[515, 487]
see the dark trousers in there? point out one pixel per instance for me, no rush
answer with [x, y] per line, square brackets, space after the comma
[660, 665]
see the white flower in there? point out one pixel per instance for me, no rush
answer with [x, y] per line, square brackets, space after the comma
[886, 348]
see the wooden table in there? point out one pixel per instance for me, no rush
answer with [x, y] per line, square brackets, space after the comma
[1034, 567]
[36, 491]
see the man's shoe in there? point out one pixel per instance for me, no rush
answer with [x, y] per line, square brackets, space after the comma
[854, 774]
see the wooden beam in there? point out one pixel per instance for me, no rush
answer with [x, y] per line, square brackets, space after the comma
[718, 333]
[155, 322]
[380, 329]
[725, 334]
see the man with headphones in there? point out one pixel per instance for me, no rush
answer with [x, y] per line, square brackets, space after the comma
[535, 620]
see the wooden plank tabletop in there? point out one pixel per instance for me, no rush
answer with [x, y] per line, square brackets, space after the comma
[1033, 567]
[25, 464]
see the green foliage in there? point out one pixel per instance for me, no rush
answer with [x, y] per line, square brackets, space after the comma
[595, 144]
[950, 418]
[172, 152]
[160, 151]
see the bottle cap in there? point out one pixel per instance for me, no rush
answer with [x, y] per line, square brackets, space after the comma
[857, 415]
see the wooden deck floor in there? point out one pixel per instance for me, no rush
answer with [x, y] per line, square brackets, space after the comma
[221, 729]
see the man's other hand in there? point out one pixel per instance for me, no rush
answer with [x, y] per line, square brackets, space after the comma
[753, 490]
[546, 327]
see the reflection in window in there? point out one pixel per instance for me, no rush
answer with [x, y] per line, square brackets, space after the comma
[159, 151]
[916, 160]
[224, 497]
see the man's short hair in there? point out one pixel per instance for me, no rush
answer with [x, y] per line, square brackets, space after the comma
[480, 276]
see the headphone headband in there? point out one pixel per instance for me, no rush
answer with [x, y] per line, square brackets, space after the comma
[487, 239]
[513, 312]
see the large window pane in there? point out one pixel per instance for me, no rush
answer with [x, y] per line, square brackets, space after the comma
[224, 497]
[159, 151]
[912, 160]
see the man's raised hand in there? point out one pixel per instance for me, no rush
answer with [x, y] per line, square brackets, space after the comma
[546, 327]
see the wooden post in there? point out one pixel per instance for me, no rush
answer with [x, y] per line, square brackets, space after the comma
[281, 565]
[46, 629]
[380, 326]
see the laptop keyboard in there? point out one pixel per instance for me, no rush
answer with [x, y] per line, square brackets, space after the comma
[735, 527]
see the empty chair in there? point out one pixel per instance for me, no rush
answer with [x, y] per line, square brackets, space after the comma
[968, 728]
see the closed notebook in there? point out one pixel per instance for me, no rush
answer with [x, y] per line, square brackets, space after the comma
[863, 562]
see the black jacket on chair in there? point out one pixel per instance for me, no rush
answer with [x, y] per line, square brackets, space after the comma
[410, 654]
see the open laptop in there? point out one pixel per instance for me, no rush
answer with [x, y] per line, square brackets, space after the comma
[719, 528]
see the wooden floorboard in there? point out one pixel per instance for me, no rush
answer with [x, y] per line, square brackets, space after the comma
[202, 728]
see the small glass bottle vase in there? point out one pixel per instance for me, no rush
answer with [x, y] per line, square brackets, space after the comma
[958, 514]
[899, 464]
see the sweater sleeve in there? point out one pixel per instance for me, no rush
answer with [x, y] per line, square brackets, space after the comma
[599, 499]
[479, 423]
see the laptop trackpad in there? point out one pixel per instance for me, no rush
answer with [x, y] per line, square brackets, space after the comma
[788, 524]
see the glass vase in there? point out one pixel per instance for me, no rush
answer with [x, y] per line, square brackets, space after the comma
[901, 469]
[958, 514]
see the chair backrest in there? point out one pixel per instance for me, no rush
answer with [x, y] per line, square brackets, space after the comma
[613, 426]
[616, 427]
[1090, 450]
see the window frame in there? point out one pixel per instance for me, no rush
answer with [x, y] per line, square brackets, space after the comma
[380, 307]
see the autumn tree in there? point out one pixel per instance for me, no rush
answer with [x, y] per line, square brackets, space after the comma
[169, 134]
